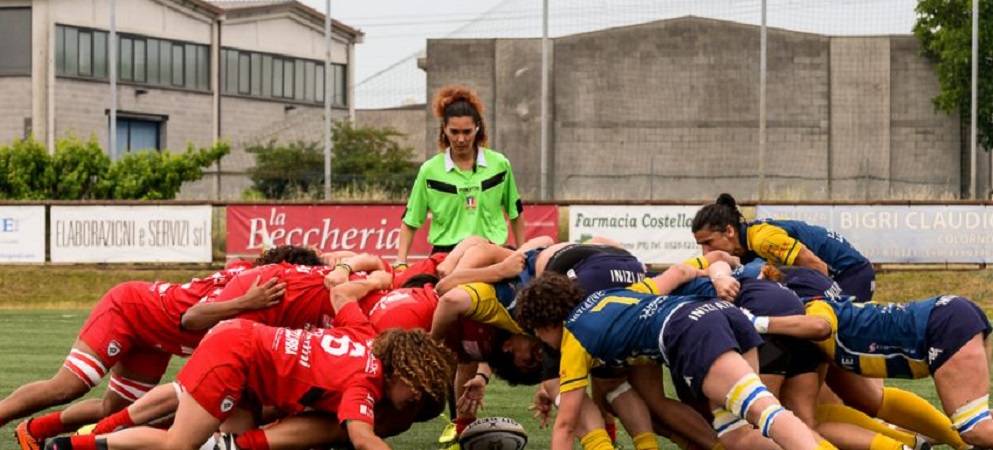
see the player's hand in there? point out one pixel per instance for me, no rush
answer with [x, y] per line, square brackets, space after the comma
[541, 405]
[727, 287]
[265, 295]
[337, 276]
[511, 266]
[382, 278]
[472, 398]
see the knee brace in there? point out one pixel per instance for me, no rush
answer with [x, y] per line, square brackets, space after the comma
[128, 389]
[86, 367]
[726, 422]
[617, 392]
[744, 393]
[965, 418]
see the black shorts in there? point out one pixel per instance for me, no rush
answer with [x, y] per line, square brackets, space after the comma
[698, 333]
[567, 257]
[607, 271]
[952, 323]
[788, 356]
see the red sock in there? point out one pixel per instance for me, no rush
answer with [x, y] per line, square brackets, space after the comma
[611, 427]
[114, 422]
[461, 423]
[46, 426]
[84, 442]
[251, 440]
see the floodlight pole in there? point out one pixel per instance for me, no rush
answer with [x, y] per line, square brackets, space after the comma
[327, 100]
[762, 114]
[973, 188]
[112, 61]
[545, 43]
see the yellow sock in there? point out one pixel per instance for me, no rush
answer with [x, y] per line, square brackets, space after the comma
[843, 414]
[881, 442]
[645, 441]
[825, 445]
[597, 439]
[908, 410]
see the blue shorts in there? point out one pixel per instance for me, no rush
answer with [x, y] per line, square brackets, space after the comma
[607, 271]
[858, 281]
[697, 333]
[952, 323]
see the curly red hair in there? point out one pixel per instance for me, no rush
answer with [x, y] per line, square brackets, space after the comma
[456, 100]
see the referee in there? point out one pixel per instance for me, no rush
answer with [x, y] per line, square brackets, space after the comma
[467, 187]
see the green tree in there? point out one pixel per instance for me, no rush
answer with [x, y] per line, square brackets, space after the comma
[79, 167]
[151, 175]
[25, 171]
[81, 171]
[944, 28]
[364, 158]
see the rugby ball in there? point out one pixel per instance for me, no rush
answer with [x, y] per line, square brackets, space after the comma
[494, 433]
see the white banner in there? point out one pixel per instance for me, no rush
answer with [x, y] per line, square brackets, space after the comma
[903, 234]
[130, 233]
[22, 234]
[655, 234]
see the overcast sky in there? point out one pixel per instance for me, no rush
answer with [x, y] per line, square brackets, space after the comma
[395, 29]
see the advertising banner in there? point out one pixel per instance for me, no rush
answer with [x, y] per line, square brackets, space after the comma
[117, 234]
[655, 234]
[371, 229]
[903, 234]
[22, 234]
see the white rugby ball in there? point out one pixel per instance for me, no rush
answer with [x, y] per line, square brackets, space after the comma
[494, 433]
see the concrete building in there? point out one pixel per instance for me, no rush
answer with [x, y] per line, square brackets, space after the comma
[670, 110]
[190, 72]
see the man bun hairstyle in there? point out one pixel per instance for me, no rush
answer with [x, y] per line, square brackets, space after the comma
[718, 215]
[459, 101]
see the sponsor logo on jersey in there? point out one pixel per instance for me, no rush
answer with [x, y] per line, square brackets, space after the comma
[227, 404]
[113, 348]
[932, 354]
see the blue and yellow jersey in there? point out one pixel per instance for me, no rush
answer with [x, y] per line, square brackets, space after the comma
[614, 327]
[530, 266]
[876, 340]
[780, 242]
[494, 304]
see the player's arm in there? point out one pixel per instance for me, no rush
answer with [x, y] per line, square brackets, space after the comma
[807, 258]
[673, 277]
[362, 262]
[564, 430]
[362, 436]
[818, 324]
[536, 242]
[207, 314]
[352, 291]
[497, 269]
[727, 286]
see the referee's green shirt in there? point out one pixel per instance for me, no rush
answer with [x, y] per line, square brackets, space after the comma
[464, 203]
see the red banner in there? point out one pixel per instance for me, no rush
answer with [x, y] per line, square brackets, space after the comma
[360, 228]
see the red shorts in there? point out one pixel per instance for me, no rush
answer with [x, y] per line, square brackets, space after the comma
[216, 374]
[109, 332]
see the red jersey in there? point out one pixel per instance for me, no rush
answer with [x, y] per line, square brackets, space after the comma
[331, 370]
[306, 303]
[427, 266]
[408, 309]
[475, 340]
[162, 311]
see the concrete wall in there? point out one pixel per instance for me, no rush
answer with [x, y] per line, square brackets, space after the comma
[408, 120]
[16, 95]
[669, 110]
[81, 111]
[256, 34]
[162, 19]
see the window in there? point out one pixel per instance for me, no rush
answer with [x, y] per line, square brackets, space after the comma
[86, 53]
[267, 76]
[138, 134]
[339, 82]
[277, 77]
[231, 76]
[308, 81]
[244, 73]
[256, 74]
[288, 78]
[298, 85]
[319, 83]
[177, 65]
[15, 41]
[139, 60]
[81, 52]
